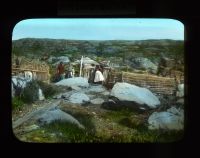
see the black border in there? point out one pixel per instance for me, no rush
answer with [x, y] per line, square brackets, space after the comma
[185, 13]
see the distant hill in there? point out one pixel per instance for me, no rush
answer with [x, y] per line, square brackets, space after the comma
[36, 47]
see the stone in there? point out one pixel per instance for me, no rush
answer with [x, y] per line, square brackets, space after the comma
[76, 81]
[54, 114]
[79, 98]
[172, 119]
[97, 101]
[129, 92]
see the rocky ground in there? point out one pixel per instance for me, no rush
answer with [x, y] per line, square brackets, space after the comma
[62, 119]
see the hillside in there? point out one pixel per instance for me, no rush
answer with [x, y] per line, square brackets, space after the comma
[153, 49]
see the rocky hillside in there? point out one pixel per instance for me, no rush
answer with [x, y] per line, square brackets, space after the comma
[152, 49]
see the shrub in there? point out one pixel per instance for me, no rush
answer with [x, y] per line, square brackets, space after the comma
[47, 89]
[30, 92]
[17, 103]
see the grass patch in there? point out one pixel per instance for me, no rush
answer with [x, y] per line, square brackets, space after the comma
[117, 115]
[70, 133]
[17, 103]
[109, 127]
[30, 92]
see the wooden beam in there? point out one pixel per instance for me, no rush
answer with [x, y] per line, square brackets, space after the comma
[20, 69]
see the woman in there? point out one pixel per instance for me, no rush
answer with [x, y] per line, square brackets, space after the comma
[98, 79]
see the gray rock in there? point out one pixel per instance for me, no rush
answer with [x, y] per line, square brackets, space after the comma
[79, 98]
[57, 114]
[76, 81]
[97, 101]
[173, 119]
[130, 92]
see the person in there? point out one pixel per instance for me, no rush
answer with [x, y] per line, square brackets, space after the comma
[69, 73]
[98, 79]
[61, 71]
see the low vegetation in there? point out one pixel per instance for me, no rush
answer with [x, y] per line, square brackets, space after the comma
[109, 127]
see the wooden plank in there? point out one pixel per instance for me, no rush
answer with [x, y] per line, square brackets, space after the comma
[20, 69]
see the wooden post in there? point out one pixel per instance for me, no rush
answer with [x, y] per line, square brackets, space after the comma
[81, 66]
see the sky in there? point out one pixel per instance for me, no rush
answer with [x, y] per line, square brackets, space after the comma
[100, 29]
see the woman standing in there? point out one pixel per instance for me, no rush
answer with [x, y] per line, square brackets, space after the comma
[98, 79]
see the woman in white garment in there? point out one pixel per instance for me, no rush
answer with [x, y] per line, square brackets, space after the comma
[98, 79]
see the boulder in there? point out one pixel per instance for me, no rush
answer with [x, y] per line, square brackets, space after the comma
[172, 119]
[130, 92]
[54, 114]
[76, 81]
[97, 101]
[79, 98]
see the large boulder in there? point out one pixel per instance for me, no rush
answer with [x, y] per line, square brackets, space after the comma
[172, 119]
[130, 92]
[144, 64]
[76, 81]
[56, 114]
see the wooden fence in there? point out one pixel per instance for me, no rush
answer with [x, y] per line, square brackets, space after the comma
[159, 85]
[38, 68]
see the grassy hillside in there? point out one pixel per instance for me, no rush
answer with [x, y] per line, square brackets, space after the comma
[153, 49]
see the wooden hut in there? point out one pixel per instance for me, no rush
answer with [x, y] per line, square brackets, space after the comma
[39, 69]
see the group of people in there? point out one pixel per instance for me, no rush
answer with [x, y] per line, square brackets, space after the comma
[62, 73]
[97, 75]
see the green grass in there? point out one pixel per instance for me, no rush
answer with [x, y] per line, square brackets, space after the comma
[109, 127]
[17, 103]
[117, 115]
